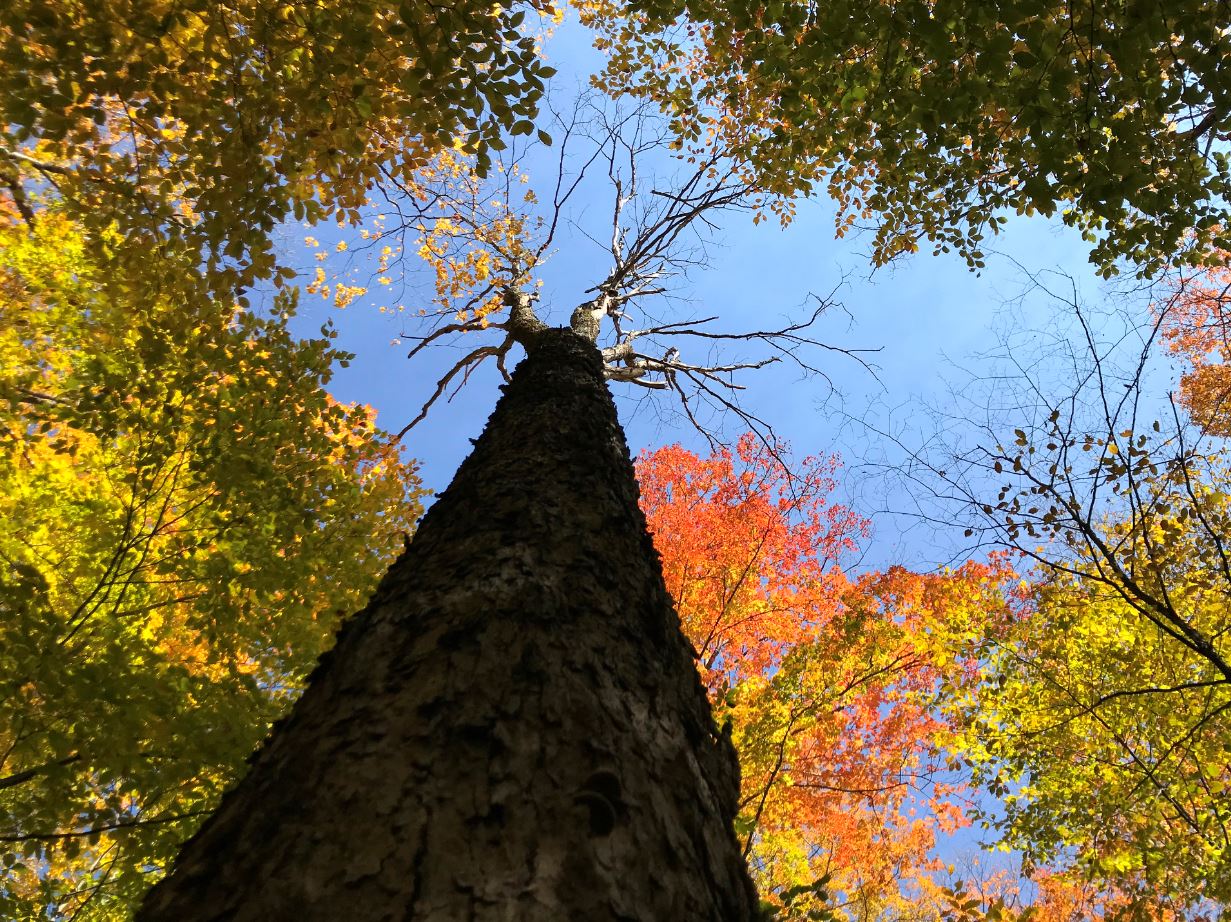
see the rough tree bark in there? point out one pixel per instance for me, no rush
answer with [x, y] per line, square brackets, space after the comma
[512, 729]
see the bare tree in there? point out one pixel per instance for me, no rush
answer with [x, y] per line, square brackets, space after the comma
[662, 220]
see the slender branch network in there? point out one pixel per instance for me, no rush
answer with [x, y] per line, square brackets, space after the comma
[487, 246]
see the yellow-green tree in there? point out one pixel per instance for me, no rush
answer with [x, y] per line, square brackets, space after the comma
[185, 514]
[1103, 719]
[1107, 739]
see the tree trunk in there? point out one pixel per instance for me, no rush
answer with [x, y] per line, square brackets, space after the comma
[513, 729]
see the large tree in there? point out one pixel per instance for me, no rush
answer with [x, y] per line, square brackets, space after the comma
[513, 728]
[525, 646]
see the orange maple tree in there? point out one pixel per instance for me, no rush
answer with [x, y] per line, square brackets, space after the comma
[826, 681]
[1196, 323]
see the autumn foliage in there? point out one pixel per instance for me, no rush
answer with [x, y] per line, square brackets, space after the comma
[875, 714]
[208, 124]
[1196, 324]
[186, 514]
[827, 680]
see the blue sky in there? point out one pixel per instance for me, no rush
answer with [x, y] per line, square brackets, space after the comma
[927, 314]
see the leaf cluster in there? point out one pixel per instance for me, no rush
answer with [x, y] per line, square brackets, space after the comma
[932, 120]
[206, 124]
[177, 491]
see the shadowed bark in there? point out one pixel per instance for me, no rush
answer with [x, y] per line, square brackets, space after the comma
[512, 729]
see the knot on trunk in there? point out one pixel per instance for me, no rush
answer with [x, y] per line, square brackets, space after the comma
[524, 324]
[586, 319]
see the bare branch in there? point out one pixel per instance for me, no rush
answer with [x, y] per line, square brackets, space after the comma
[464, 367]
[655, 231]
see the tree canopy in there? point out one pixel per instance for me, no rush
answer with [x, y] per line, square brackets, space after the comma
[929, 121]
[212, 123]
[186, 516]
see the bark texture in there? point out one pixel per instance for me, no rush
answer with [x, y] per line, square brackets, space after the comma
[513, 729]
